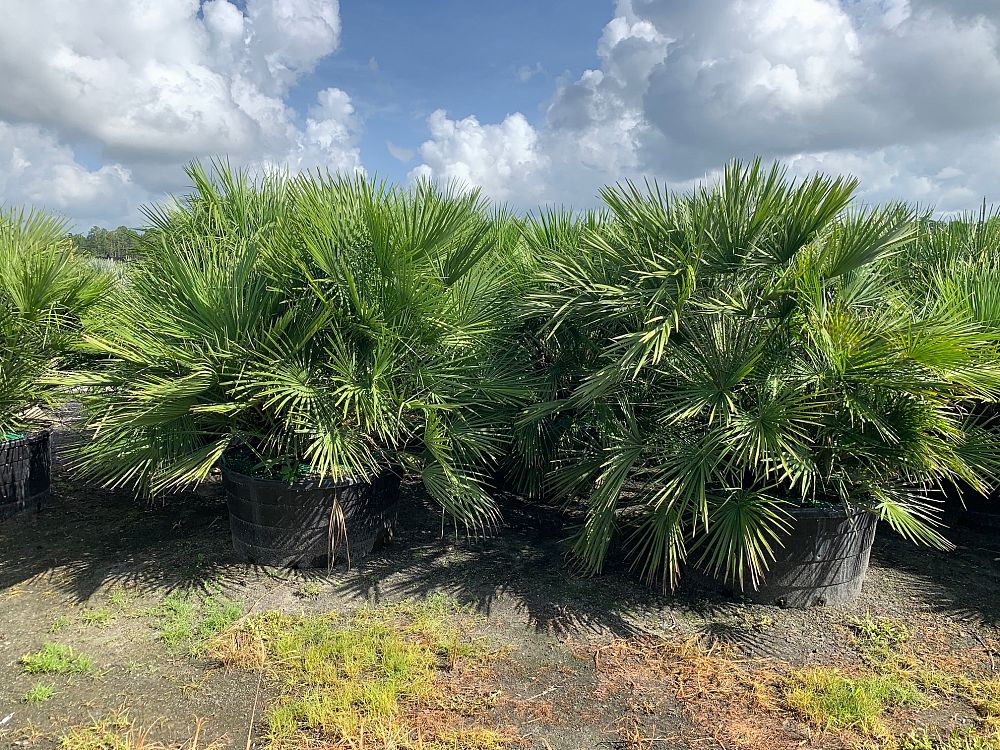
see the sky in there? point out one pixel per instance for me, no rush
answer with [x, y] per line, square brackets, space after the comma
[103, 103]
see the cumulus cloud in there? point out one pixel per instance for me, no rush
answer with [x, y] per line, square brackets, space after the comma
[35, 169]
[102, 102]
[153, 85]
[504, 159]
[904, 92]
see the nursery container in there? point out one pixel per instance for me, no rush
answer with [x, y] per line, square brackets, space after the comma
[299, 524]
[823, 562]
[24, 474]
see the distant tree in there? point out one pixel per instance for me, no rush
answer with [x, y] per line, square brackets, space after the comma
[106, 243]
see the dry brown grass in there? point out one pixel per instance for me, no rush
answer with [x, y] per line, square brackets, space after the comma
[739, 703]
[729, 701]
[118, 732]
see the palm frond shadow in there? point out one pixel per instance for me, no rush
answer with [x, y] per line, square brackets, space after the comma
[89, 540]
[79, 546]
[963, 583]
[518, 570]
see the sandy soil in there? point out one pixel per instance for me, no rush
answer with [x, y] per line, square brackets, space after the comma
[91, 550]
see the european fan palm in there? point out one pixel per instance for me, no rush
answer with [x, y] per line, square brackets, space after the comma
[44, 291]
[327, 326]
[733, 352]
[956, 264]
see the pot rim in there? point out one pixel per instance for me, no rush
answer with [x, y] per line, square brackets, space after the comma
[29, 439]
[304, 483]
[827, 510]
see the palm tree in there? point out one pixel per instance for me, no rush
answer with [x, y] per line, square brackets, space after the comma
[746, 349]
[45, 290]
[312, 326]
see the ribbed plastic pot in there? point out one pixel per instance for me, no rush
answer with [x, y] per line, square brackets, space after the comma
[25, 471]
[823, 562]
[297, 525]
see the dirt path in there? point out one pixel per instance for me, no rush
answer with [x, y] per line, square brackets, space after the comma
[93, 572]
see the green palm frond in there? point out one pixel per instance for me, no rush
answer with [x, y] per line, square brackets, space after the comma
[718, 357]
[46, 291]
[334, 322]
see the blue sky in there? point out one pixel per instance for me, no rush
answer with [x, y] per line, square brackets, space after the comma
[401, 60]
[103, 103]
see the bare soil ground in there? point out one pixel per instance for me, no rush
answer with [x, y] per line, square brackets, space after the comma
[586, 663]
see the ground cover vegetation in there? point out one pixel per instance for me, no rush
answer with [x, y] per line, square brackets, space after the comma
[400, 675]
[880, 701]
[541, 655]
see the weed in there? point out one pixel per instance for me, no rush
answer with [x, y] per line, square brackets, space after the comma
[100, 616]
[39, 693]
[469, 739]
[309, 590]
[116, 732]
[959, 739]
[884, 646]
[186, 618]
[60, 623]
[984, 696]
[360, 680]
[177, 618]
[879, 639]
[831, 700]
[217, 614]
[754, 621]
[120, 599]
[55, 658]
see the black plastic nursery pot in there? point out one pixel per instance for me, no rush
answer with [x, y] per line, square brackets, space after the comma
[25, 471]
[823, 562]
[309, 523]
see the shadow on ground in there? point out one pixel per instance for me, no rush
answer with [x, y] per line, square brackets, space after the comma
[963, 583]
[88, 539]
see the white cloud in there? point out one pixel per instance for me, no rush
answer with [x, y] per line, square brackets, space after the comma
[35, 169]
[904, 92]
[152, 85]
[526, 72]
[400, 153]
[503, 159]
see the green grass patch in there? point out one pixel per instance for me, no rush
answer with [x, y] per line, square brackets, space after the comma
[881, 642]
[100, 616]
[117, 732]
[351, 680]
[309, 590]
[103, 734]
[55, 658]
[188, 619]
[60, 623]
[831, 700]
[38, 693]
[879, 635]
[120, 599]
